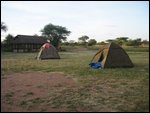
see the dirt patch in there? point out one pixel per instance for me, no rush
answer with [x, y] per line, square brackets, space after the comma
[32, 87]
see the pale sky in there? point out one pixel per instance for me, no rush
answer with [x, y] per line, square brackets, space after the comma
[100, 20]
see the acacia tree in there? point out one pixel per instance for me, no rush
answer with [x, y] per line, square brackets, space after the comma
[83, 39]
[3, 27]
[55, 33]
[110, 40]
[121, 40]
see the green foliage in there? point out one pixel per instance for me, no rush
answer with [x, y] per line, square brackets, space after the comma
[55, 42]
[83, 38]
[110, 40]
[91, 42]
[135, 42]
[6, 44]
[55, 33]
[128, 42]
[9, 94]
[145, 42]
[101, 43]
[121, 40]
[3, 27]
[8, 39]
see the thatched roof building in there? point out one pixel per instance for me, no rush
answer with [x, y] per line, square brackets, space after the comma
[26, 43]
[26, 39]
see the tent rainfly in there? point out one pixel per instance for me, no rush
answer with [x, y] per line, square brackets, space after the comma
[48, 53]
[112, 56]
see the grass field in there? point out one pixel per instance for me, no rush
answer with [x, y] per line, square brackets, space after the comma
[120, 89]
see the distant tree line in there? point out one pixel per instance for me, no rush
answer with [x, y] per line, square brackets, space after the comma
[126, 41]
[122, 41]
[58, 35]
[82, 41]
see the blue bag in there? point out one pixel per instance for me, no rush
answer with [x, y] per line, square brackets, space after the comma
[95, 65]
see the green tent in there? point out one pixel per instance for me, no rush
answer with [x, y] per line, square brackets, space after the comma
[48, 53]
[112, 56]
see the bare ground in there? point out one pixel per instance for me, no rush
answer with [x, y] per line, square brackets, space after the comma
[32, 87]
[57, 92]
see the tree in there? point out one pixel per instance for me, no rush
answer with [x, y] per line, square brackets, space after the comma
[135, 42]
[110, 40]
[121, 40]
[8, 39]
[92, 42]
[55, 33]
[7, 42]
[130, 42]
[145, 42]
[71, 42]
[83, 39]
[3, 27]
[101, 43]
[138, 41]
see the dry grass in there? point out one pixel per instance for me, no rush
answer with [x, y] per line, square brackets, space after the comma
[120, 89]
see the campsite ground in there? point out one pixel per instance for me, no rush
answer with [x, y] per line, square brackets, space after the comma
[69, 84]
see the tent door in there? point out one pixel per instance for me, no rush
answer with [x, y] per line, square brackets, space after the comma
[101, 57]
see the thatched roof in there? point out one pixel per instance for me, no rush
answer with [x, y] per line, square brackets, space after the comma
[26, 39]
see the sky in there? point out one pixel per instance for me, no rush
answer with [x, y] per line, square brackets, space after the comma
[99, 20]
